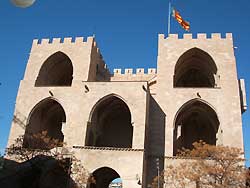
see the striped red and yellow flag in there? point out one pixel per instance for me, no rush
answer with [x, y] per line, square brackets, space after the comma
[185, 25]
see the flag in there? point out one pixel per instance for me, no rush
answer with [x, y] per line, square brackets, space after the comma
[184, 24]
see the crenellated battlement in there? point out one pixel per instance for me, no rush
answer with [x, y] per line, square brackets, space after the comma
[127, 119]
[129, 74]
[101, 68]
[83, 53]
[66, 40]
[138, 71]
[213, 36]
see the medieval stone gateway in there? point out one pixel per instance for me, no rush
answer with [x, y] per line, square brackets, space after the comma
[120, 123]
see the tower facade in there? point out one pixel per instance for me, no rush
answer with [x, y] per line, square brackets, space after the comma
[128, 124]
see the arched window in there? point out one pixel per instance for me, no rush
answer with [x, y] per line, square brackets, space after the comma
[57, 70]
[195, 121]
[110, 124]
[195, 68]
[102, 177]
[47, 116]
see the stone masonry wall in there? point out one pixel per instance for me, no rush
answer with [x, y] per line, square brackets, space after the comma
[151, 97]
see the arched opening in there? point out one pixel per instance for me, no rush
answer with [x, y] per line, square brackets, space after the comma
[57, 70]
[110, 124]
[195, 68]
[47, 116]
[195, 121]
[104, 178]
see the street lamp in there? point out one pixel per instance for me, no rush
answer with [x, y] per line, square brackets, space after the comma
[158, 172]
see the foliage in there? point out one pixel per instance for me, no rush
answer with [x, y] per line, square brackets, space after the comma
[80, 175]
[207, 166]
[40, 140]
[248, 177]
[43, 145]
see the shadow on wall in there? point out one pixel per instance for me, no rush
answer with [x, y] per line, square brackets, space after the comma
[155, 141]
[195, 68]
[110, 124]
[195, 121]
[57, 70]
[39, 172]
[48, 115]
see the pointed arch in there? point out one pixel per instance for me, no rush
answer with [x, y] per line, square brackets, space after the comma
[195, 68]
[195, 120]
[103, 99]
[110, 124]
[102, 177]
[48, 115]
[57, 70]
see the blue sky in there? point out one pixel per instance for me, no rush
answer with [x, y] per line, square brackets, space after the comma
[126, 32]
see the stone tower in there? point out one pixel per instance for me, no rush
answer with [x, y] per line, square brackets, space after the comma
[130, 124]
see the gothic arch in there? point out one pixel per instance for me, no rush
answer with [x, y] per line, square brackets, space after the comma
[110, 124]
[57, 70]
[102, 177]
[48, 115]
[195, 120]
[195, 68]
[103, 99]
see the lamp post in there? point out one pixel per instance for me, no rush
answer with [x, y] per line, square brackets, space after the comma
[158, 172]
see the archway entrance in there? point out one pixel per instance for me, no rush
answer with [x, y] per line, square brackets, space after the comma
[57, 70]
[104, 178]
[48, 115]
[195, 68]
[110, 124]
[194, 122]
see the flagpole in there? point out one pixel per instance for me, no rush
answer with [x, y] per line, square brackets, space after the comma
[169, 14]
